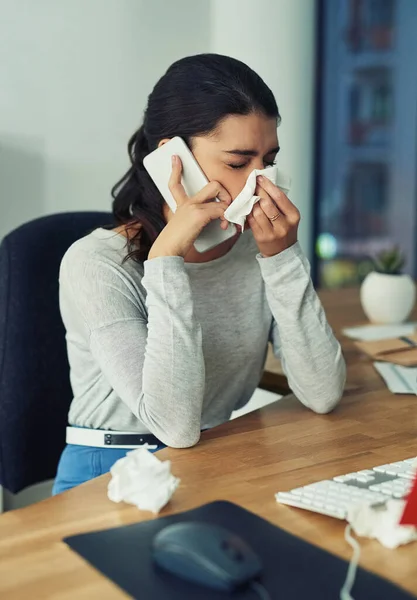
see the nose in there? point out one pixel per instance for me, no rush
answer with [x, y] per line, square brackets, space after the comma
[258, 163]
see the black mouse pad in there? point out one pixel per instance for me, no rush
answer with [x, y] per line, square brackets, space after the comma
[293, 569]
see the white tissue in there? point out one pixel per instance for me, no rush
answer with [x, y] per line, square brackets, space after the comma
[140, 478]
[242, 205]
[381, 522]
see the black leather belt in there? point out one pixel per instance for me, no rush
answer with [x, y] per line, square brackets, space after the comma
[133, 439]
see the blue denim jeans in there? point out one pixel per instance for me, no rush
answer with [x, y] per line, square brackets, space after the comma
[82, 463]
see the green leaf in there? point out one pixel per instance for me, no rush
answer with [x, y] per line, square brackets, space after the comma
[390, 261]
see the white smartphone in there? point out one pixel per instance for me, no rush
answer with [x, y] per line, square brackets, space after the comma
[159, 166]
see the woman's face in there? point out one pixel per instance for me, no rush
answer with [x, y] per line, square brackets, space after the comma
[239, 145]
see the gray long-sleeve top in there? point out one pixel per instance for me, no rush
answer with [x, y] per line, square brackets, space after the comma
[170, 347]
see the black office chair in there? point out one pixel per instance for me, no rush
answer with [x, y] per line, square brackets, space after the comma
[35, 391]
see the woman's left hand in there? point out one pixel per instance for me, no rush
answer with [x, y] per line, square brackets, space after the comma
[274, 219]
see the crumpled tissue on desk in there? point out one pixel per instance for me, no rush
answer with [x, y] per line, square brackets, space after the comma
[140, 478]
[382, 523]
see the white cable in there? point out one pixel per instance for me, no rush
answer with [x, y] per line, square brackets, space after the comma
[353, 565]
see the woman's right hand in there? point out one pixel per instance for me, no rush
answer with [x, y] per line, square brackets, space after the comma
[191, 216]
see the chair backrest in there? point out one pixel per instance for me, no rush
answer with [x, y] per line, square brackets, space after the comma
[35, 391]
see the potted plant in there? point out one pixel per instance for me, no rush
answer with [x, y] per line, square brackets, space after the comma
[387, 295]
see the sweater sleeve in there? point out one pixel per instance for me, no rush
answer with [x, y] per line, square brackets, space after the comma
[311, 356]
[150, 353]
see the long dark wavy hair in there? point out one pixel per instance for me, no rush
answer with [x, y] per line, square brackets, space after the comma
[191, 99]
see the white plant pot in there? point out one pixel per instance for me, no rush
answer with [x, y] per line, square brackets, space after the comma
[387, 298]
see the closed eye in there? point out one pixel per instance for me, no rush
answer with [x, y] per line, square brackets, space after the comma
[242, 166]
[267, 163]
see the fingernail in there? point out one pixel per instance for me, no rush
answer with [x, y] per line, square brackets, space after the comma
[174, 159]
[260, 178]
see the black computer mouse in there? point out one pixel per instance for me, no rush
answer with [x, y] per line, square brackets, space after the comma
[206, 554]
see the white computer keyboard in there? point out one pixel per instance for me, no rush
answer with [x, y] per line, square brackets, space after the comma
[333, 497]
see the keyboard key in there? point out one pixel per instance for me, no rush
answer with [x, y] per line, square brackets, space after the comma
[381, 469]
[392, 471]
[364, 478]
[407, 474]
[341, 478]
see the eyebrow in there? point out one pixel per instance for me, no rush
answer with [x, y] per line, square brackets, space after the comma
[251, 152]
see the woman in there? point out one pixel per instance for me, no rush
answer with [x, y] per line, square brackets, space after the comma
[164, 341]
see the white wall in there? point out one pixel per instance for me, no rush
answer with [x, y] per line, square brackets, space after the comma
[277, 39]
[74, 79]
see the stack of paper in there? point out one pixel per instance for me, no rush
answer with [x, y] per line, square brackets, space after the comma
[368, 333]
[399, 379]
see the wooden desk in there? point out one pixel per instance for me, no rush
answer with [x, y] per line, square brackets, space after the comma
[245, 461]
